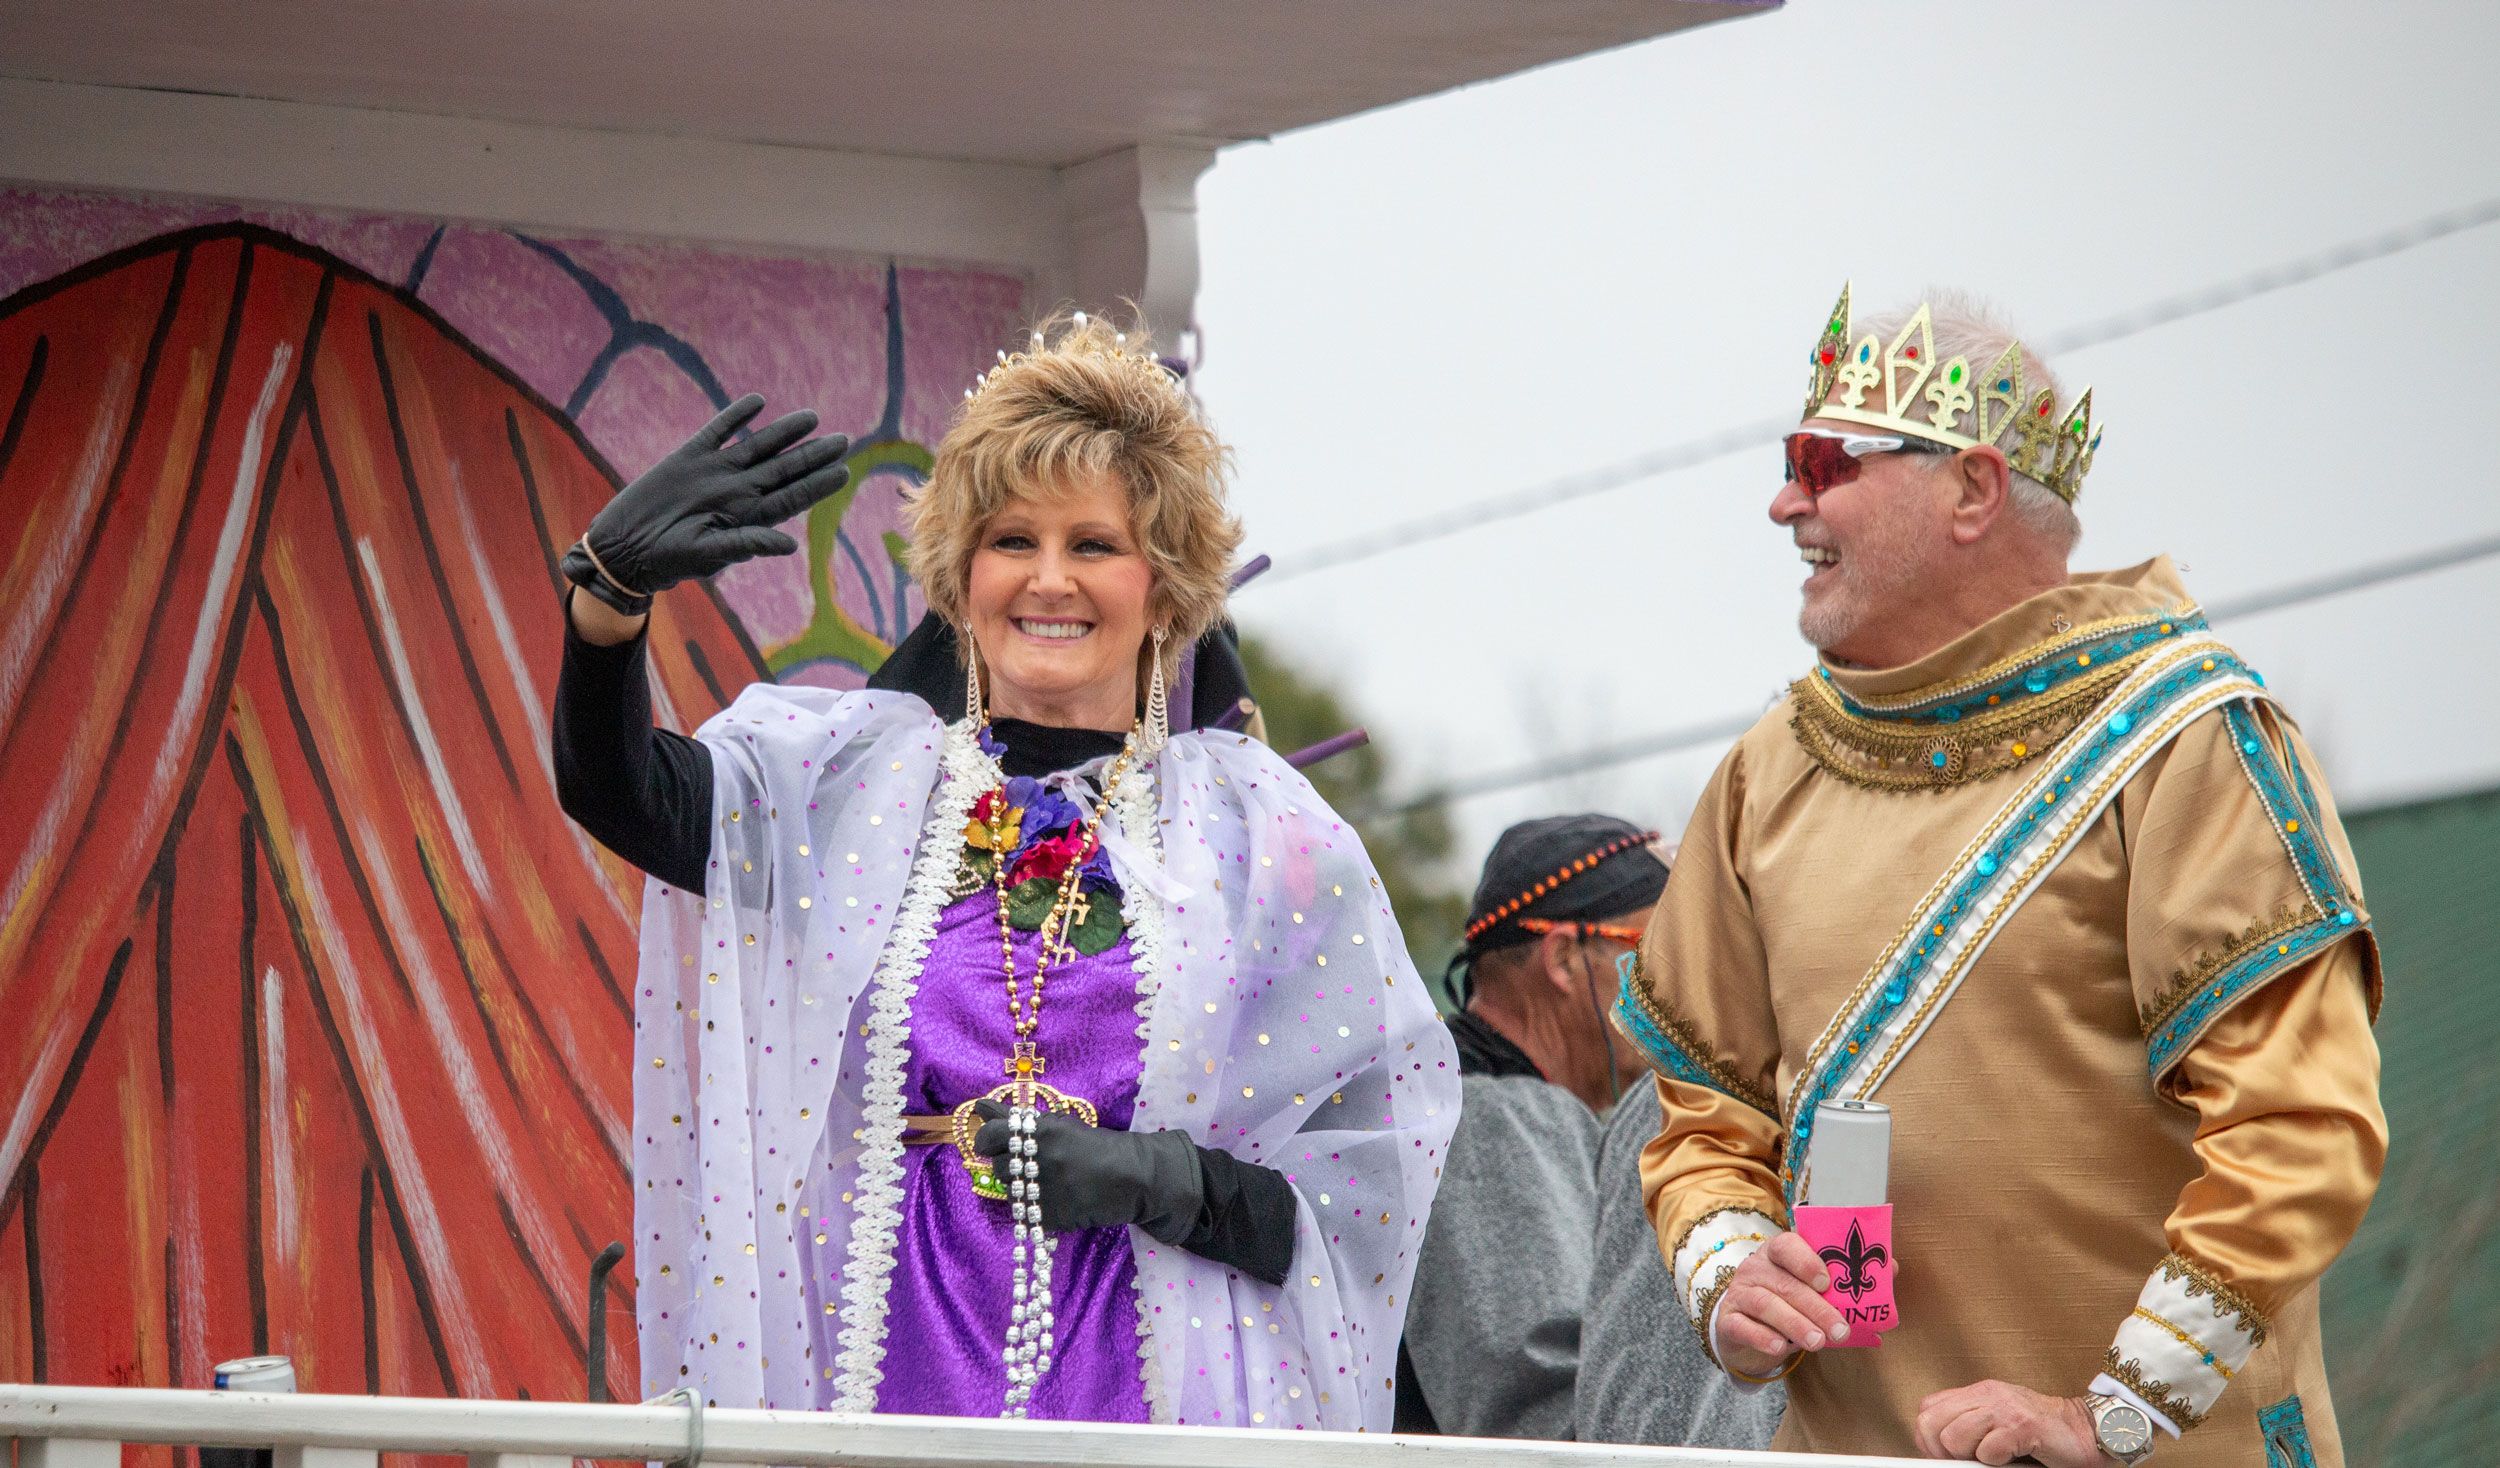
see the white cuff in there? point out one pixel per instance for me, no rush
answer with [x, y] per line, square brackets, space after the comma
[2189, 1335]
[2109, 1386]
[1710, 1249]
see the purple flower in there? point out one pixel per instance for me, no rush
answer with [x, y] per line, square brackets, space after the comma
[990, 744]
[1046, 811]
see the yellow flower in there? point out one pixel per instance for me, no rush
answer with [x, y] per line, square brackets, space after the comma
[977, 831]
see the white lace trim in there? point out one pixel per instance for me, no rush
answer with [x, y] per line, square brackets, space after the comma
[1137, 809]
[963, 774]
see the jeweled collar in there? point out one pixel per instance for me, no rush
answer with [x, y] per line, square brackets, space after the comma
[1996, 697]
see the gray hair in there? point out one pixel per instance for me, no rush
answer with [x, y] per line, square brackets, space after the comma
[1972, 328]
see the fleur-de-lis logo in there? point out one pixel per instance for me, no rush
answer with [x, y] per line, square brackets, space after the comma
[1856, 1259]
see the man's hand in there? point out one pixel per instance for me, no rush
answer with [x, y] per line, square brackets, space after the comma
[1997, 1422]
[1773, 1308]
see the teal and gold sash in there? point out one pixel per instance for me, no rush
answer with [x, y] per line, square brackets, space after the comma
[1919, 972]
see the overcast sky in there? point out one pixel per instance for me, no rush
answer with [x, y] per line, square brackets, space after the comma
[1481, 292]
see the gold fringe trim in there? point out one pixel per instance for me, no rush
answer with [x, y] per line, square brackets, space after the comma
[1708, 1302]
[1891, 755]
[2127, 1372]
[1700, 1053]
[2202, 1281]
[2183, 987]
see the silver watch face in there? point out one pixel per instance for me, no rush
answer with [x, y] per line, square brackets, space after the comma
[2123, 1429]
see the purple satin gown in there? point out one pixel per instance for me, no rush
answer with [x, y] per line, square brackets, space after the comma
[946, 1321]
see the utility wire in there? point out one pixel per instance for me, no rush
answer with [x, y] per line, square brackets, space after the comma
[1720, 731]
[1443, 524]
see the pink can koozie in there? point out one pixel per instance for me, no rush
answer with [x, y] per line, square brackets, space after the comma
[1856, 1244]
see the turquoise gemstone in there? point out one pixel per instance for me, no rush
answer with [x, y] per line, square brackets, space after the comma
[1937, 759]
[2121, 722]
[2037, 680]
[1987, 866]
[1893, 993]
[2343, 919]
[1949, 714]
[2248, 746]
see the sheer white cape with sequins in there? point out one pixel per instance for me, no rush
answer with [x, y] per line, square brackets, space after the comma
[1280, 1019]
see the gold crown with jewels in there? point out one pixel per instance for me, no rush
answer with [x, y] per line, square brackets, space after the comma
[1957, 404]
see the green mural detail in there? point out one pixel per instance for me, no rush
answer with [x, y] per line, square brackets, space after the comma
[832, 632]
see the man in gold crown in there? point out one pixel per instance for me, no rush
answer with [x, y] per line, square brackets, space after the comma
[2034, 860]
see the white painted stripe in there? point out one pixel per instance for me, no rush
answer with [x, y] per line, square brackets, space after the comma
[38, 597]
[437, 771]
[467, 1085]
[533, 705]
[30, 1100]
[399, 1150]
[223, 568]
[43, 837]
[286, 1232]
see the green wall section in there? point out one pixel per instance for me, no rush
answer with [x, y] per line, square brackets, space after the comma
[2413, 1308]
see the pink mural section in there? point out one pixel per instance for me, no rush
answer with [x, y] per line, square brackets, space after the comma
[637, 341]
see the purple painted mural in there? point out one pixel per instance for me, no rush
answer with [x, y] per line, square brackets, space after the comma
[639, 342]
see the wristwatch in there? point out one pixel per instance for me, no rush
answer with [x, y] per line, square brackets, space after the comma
[2121, 1427]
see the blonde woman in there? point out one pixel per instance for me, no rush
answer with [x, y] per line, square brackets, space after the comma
[1046, 1062]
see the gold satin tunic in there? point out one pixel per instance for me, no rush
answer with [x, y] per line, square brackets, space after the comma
[2130, 1085]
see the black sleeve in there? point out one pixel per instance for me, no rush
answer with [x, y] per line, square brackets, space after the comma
[644, 793]
[1247, 1218]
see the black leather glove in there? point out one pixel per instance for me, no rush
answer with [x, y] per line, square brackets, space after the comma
[708, 506]
[1093, 1177]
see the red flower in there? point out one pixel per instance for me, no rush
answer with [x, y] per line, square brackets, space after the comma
[1049, 858]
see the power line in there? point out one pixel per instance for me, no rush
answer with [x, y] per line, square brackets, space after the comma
[1693, 452]
[1719, 731]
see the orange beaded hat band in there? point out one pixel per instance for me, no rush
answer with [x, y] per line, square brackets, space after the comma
[1543, 869]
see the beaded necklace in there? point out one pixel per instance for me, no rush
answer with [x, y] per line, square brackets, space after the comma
[1030, 1323]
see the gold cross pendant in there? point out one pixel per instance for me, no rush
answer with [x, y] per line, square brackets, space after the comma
[1026, 1063]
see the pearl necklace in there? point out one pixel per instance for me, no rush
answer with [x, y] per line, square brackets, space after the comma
[1030, 1323]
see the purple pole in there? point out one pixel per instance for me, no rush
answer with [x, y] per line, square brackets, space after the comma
[1251, 571]
[1330, 748]
[1236, 716]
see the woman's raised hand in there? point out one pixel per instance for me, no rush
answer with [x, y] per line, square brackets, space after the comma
[708, 506]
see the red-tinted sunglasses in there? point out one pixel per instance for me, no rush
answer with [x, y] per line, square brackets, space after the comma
[1821, 459]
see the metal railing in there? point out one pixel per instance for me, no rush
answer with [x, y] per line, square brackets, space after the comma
[85, 1427]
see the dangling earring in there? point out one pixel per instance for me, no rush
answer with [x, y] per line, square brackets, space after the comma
[972, 680]
[1158, 702]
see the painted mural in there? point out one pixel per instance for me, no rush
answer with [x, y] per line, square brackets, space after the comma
[318, 1038]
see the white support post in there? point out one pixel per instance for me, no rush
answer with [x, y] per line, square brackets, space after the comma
[303, 1457]
[68, 1452]
[1133, 226]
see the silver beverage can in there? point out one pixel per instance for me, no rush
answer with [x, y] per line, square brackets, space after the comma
[256, 1374]
[249, 1374]
[1849, 1162]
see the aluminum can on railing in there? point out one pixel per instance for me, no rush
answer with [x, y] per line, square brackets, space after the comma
[256, 1374]
[248, 1374]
